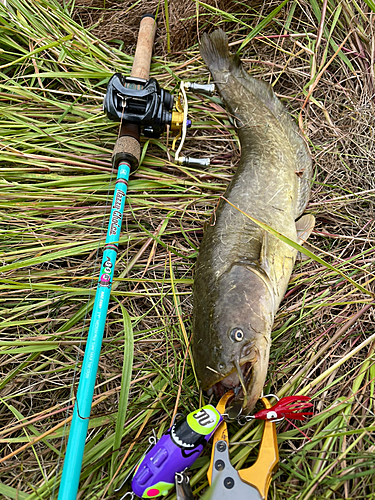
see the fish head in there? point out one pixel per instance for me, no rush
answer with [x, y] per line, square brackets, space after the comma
[232, 334]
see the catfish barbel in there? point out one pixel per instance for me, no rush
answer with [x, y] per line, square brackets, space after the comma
[242, 271]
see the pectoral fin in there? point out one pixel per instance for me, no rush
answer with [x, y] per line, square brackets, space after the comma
[304, 227]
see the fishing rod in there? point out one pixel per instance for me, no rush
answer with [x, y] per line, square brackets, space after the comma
[126, 155]
[141, 106]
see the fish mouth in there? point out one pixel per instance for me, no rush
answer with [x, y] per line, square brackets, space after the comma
[246, 378]
[238, 380]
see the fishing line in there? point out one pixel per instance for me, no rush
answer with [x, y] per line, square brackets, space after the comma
[79, 350]
[298, 429]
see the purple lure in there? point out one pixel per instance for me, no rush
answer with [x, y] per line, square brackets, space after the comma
[175, 451]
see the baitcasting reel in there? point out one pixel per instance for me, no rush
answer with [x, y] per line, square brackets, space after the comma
[145, 104]
[138, 101]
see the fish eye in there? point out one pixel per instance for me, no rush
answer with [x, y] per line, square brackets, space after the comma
[236, 335]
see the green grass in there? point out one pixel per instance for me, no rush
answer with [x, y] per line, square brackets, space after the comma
[56, 182]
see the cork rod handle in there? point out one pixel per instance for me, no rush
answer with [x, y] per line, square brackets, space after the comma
[128, 146]
[143, 51]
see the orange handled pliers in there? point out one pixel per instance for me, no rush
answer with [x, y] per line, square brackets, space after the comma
[246, 484]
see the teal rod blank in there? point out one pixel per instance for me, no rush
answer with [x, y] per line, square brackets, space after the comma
[82, 408]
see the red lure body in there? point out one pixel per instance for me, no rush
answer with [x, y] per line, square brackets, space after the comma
[289, 407]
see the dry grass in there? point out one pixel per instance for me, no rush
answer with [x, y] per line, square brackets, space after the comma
[118, 21]
[56, 181]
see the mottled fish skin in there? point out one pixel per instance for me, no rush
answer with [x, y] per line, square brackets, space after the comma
[242, 272]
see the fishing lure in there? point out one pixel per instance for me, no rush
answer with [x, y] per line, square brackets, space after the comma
[175, 451]
[289, 407]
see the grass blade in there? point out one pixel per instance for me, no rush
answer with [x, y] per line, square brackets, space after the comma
[125, 385]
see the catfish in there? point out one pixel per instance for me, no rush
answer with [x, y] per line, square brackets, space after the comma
[242, 271]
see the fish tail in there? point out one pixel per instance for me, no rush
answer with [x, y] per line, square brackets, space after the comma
[223, 65]
[215, 52]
